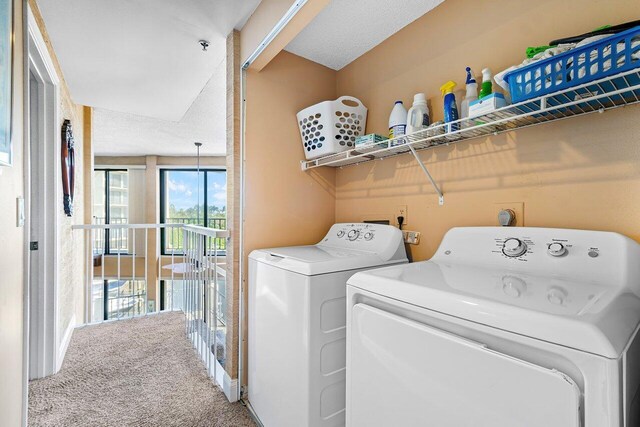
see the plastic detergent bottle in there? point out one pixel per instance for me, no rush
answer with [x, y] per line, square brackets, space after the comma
[450, 108]
[418, 115]
[486, 89]
[397, 120]
[471, 95]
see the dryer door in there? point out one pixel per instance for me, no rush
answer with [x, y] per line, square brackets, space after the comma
[404, 373]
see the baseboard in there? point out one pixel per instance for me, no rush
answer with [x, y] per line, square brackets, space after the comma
[64, 345]
[230, 388]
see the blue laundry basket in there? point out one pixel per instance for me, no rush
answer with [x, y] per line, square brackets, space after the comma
[602, 58]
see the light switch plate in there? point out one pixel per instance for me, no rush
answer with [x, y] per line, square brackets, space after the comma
[20, 216]
[516, 207]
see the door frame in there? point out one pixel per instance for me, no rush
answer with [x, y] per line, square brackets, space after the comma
[42, 291]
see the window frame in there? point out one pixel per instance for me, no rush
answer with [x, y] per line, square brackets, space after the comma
[107, 213]
[162, 198]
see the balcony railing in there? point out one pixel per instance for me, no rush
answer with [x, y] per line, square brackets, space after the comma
[216, 223]
[172, 238]
[127, 283]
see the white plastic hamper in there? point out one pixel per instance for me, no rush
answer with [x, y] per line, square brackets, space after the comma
[331, 126]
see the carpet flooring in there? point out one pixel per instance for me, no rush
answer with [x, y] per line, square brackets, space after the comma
[137, 372]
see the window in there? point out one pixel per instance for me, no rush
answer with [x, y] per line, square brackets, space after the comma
[125, 298]
[111, 206]
[179, 203]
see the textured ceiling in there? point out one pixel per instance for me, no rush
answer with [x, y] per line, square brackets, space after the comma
[124, 134]
[346, 29]
[141, 56]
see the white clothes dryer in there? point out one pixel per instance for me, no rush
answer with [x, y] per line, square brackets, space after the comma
[503, 327]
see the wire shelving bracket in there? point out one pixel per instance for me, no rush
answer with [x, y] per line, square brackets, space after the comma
[594, 97]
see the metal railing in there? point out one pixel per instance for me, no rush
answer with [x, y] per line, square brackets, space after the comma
[205, 324]
[216, 223]
[173, 238]
[122, 284]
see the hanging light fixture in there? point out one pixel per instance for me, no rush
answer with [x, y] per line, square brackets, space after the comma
[198, 145]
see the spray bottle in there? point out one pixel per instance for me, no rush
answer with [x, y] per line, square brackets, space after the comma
[472, 94]
[486, 89]
[450, 108]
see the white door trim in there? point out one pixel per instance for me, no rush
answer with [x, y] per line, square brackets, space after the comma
[46, 357]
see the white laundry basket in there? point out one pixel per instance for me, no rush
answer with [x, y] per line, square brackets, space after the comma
[331, 126]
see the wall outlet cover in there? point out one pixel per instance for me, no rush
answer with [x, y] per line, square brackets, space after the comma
[411, 237]
[401, 210]
[516, 207]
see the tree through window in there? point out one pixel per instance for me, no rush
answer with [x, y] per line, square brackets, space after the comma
[180, 204]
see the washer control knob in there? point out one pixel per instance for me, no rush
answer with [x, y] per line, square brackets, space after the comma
[368, 236]
[340, 233]
[353, 235]
[513, 286]
[556, 296]
[514, 247]
[556, 249]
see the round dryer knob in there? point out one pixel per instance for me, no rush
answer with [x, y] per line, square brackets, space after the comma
[368, 236]
[514, 247]
[340, 233]
[556, 249]
[353, 235]
[513, 286]
[556, 295]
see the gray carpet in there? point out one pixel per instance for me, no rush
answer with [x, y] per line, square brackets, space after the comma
[139, 372]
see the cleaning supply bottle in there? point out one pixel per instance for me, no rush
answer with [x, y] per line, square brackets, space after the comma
[486, 89]
[397, 122]
[418, 115]
[450, 108]
[471, 95]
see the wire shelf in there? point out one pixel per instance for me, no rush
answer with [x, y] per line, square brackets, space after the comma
[597, 96]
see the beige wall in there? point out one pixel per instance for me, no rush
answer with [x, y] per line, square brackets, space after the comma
[71, 243]
[71, 267]
[234, 159]
[283, 205]
[266, 15]
[579, 173]
[11, 253]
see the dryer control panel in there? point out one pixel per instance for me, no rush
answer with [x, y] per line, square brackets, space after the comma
[579, 254]
[378, 238]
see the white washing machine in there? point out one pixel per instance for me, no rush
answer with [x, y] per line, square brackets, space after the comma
[503, 327]
[297, 322]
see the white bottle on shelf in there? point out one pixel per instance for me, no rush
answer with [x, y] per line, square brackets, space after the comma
[418, 115]
[398, 123]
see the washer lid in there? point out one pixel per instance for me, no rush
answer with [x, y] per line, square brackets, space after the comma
[318, 259]
[590, 316]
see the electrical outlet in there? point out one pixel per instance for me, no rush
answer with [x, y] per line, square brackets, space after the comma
[411, 237]
[401, 210]
[516, 207]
